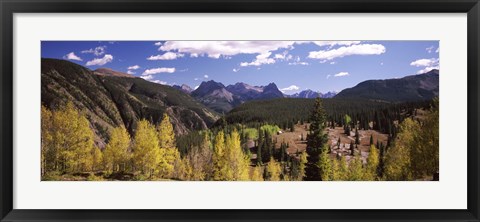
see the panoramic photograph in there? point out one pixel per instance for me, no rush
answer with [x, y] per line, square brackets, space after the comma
[240, 110]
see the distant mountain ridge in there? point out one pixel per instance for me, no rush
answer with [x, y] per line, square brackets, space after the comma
[310, 94]
[410, 88]
[223, 98]
[184, 88]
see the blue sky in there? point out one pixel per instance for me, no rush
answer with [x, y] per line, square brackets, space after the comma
[292, 65]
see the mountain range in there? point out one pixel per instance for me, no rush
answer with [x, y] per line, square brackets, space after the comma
[110, 98]
[224, 98]
[410, 88]
[310, 94]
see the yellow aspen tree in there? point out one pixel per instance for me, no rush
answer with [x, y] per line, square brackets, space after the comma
[168, 150]
[97, 159]
[73, 139]
[372, 164]
[48, 152]
[325, 164]
[336, 174]
[238, 161]
[302, 166]
[397, 158]
[166, 135]
[424, 152]
[146, 150]
[273, 170]
[356, 172]
[116, 152]
[257, 173]
[220, 167]
[343, 174]
[201, 160]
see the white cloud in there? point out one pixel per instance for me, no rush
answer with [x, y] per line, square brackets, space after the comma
[333, 63]
[427, 69]
[205, 76]
[147, 77]
[428, 64]
[158, 43]
[363, 49]
[166, 56]
[216, 49]
[131, 72]
[279, 56]
[196, 79]
[335, 43]
[158, 70]
[298, 63]
[381, 63]
[328, 76]
[290, 88]
[438, 50]
[159, 82]
[98, 51]
[150, 79]
[135, 67]
[260, 60]
[341, 74]
[72, 56]
[235, 70]
[100, 61]
[430, 49]
[424, 62]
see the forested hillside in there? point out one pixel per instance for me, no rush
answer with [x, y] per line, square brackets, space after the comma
[113, 100]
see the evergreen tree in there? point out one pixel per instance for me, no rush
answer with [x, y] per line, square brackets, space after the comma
[352, 148]
[357, 136]
[316, 139]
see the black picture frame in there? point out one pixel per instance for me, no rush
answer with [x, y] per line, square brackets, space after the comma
[9, 7]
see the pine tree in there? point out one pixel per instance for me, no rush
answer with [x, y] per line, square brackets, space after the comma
[352, 148]
[357, 136]
[316, 139]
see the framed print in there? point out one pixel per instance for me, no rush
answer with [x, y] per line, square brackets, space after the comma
[255, 111]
